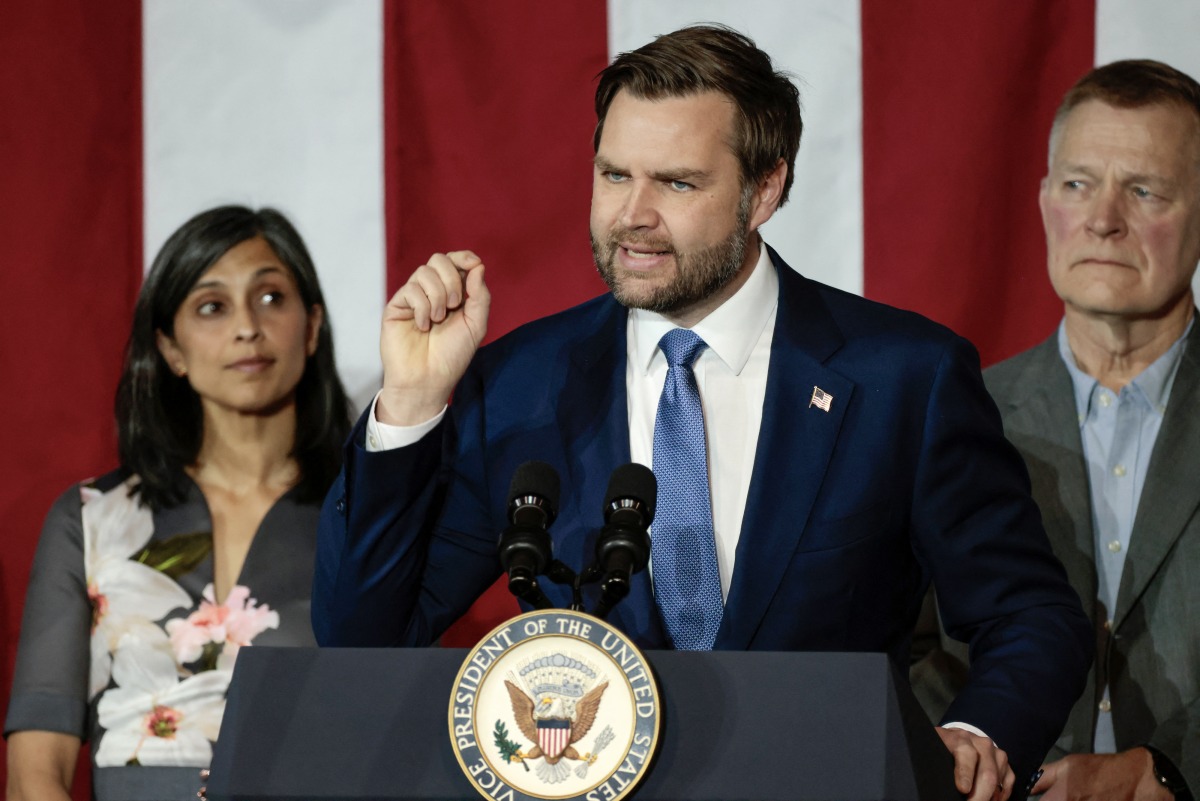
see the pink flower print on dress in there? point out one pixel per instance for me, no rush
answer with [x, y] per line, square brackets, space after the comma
[153, 715]
[163, 722]
[99, 602]
[229, 625]
[246, 618]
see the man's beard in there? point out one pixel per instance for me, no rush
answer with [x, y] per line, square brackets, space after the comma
[699, 274]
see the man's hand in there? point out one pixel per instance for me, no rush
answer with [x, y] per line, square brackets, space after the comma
[1127, 776]
[431, 328]
[981, 770]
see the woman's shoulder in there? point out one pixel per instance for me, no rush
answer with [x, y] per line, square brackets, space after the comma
[66, 513]
[89, 489]
[110, 480]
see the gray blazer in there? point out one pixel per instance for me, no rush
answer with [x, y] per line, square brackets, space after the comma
[1152, 654]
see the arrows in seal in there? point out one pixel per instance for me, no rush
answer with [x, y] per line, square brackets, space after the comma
[602, 741]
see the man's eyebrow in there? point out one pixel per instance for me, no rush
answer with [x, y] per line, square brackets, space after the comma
[1154, 179]
[1072, 167]
[685, 174]
[604, 165]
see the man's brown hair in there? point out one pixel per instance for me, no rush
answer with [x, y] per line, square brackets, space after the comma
[714, 58]
[1134, 83]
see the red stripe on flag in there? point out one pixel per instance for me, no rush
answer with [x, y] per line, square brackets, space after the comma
[70, 221]
[489, 120]
[956, 113]
[488, 123]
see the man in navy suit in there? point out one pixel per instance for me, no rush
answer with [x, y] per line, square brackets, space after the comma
[852, 452]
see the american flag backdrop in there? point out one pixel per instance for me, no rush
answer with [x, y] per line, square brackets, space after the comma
[388, 129]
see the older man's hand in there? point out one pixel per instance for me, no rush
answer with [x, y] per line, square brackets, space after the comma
[1127, 776]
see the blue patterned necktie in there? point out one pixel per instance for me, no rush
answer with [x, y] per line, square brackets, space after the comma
[687, 585]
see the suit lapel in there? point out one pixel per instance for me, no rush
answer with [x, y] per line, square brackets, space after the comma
[1041, 419]
[593, 417]
[593, 414]
[1171, 494]
[795, 440]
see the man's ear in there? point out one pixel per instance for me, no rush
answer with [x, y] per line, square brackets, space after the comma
[316, 316]
[170, 353]
[767, 195]
[1043, 197]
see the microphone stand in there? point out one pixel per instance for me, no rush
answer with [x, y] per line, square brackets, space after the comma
[562, 574]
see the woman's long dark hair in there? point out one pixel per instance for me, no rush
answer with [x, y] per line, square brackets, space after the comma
[159, 420]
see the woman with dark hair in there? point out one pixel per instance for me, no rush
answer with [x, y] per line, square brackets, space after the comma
[146, 581]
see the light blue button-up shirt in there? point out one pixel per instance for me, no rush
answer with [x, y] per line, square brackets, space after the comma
[1118, 432]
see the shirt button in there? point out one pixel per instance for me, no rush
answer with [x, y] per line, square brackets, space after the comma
[1115, 546]
[1119, 471]
[1105, 399]
[374, 442]
[1105, 705]
[1108, 625]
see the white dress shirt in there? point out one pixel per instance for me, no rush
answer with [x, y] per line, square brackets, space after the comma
[731, 374]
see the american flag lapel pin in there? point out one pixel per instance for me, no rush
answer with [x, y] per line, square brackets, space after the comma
[821, 399]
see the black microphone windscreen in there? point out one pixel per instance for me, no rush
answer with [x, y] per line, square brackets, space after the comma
[535, 478]
[633, 480]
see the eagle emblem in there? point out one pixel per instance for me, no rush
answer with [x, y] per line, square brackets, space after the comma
[556, 713]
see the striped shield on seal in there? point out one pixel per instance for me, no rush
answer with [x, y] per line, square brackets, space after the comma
[554, 734]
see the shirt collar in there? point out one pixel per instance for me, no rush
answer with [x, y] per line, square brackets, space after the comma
[730, 331]
[1153, 384]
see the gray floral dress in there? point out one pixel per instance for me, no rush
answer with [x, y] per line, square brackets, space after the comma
[123, 644]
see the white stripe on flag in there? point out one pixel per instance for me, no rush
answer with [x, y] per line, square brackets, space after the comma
[819, 232]
[276, 102]
[1161, 29]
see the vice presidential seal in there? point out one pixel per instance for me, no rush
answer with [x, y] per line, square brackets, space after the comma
[554, 704]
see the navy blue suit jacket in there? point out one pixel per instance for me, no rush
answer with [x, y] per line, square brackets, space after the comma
[851, 512]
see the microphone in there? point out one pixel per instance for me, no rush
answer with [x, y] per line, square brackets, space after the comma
[525, 544]
[623, 547]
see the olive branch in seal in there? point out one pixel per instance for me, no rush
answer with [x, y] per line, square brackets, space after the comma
[508, 749]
